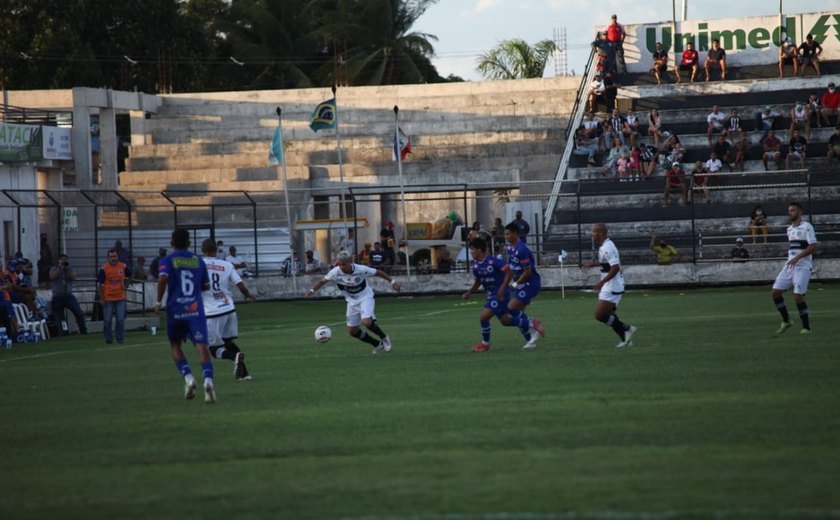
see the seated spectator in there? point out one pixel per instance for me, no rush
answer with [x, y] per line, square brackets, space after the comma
[647, 159]
[688, 61]
[583, 146]
[665, 253]
[796, 150]
[608, 135]
[610, 90]
[444, 264]
[635, 165]
[830, 104]
[631, 126]
[603, 88]
[655, 126]
[700, 180]
[378, 257]
[138, 274]
[788, 53]
[313, 265]
[809, 52]
[592, 130]
[671, 141]
[154, 269]
[660, 62]
[723, 150]
[675, 178]
[800, 119]
[713, 164]
[716, 58]
[742, 148]
[764, 120]
[833, 146]
[758, 223]
[676, 155]
[623, 167]
[221, 254]
[617, 151]
[291, 265]
[23, 289]
[739, 253]
[238, 263]
[815, 109]
[596, 90]
[772, 150]
[715, 123]
[364, 255]
[475, 232]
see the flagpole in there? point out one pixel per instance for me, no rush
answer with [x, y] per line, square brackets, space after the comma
[398, 153]
[343, 209]
[286, 195]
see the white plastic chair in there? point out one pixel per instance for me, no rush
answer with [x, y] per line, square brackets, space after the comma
[30, 325]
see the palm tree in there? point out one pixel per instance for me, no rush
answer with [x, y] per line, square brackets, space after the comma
[515, 59]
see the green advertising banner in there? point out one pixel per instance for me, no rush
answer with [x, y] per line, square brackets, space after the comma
[20, 143]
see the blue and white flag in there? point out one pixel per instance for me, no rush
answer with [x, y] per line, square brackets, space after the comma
[275, 153]
[402, 145]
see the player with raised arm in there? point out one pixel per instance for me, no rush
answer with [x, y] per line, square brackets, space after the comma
[351, 280]
[610, 287]
[796, 273]
[523, 278]
[222, 321]
[489, 272]
[184, 275]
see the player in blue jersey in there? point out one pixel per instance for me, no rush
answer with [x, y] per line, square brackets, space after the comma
[525, 282]
[611, 286]
[489, 273]
[184, 275]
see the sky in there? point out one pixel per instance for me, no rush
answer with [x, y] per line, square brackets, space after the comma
[467, 28]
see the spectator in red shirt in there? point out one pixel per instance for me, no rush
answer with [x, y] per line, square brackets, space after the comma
[716, 57]
[772, 150]
[616, 35]
[675, 178]
[831, 103]
[688, 61]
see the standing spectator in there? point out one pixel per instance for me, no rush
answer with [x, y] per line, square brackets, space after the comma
[313, 265]
[716, 58]
[610, 90]
[833, 146]
[111, 282]
[723, 150]
[615, 36]
[809, 52]
[796, 150]
[378, 257]
[715, 123]
[758, 223]
[764, 121]
[45, 261]
[688, 61]
[7, 313]
[62, 277]
[831, 104]
[154, 269]
[123, 255]
[388, 242]
[475, 232]
[221, 254]
[605, 52]
[364, 254]
[583, 146]
[239, 264]
[675, 178]
[800, 118]
[699, 179]
[498, 235]
[522, 225]
[617, 125]
[739, 253]
[665, 252]
[742, 148]
[772, 150]
[138, 274]
[291, 265]
[788, 53]
[655, 126]
[660, 62]
[348, 243]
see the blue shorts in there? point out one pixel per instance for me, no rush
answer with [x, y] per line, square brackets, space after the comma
[527, 293]
[194, 329]
[496, 306]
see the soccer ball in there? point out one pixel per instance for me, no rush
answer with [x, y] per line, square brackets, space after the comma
[323, 334]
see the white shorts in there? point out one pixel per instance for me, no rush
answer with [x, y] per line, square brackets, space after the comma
[798, 278]
[608, 296]
[220, 328]
[357, 310]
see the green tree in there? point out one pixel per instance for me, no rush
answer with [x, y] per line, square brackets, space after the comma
[515, 59]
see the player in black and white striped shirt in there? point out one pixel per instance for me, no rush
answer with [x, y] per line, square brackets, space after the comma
[797, 270]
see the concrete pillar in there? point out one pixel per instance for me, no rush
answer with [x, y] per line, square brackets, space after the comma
[137, 119]
[108, 148]
[81, 145]
[484, 209]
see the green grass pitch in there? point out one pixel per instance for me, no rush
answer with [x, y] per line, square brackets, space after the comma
[707, 416]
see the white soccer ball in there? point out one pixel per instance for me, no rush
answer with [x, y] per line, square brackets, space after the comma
[323, 334]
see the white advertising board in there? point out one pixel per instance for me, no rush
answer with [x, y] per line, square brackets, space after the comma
[57, 143]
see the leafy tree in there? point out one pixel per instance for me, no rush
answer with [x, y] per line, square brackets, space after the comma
[515, 59]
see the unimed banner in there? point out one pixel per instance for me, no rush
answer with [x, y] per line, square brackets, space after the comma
[747, 41]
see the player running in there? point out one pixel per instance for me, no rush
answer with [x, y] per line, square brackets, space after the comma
[185, 276]
[351, 280]
[797, 271]
[222, 322]
[523, 278]
[489, 272]
[611, 286]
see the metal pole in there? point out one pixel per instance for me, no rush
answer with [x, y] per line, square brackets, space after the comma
[580, 231]
[286, 191]
[693, 233]
[343, 212]
[256, 242]
[398, 153]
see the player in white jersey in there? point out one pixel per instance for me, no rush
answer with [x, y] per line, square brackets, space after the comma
[797, 270]
[611, 286]
[222, 322]
[351, 279]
